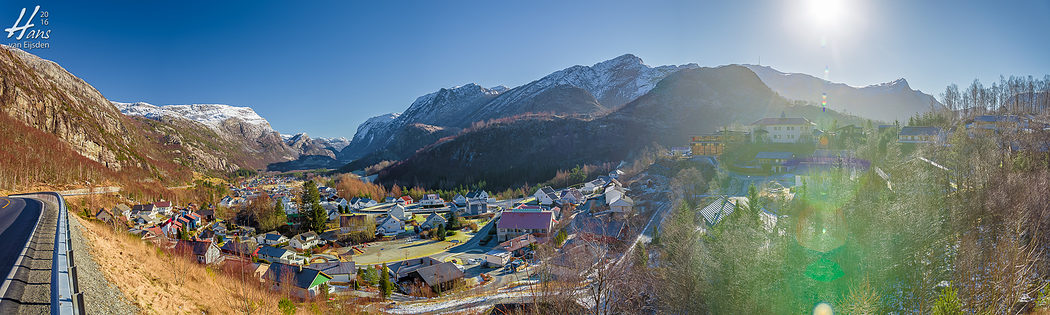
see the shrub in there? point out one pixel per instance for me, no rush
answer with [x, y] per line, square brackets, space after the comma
[286, 306]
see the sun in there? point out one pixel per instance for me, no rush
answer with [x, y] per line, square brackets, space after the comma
[826, 13]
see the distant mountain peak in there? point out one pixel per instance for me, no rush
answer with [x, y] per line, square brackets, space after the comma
[211, 115]
[889, 101]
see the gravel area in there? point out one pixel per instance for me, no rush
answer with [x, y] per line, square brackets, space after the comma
[101, 296]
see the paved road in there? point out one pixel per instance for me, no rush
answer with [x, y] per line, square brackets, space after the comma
[29, 288]
[17, 219]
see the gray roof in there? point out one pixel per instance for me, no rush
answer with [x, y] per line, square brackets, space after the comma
[915, 131]
[335, 268]
[774, 155]
[272, 251]
[439, 273]
[718, 210]
[782, 121]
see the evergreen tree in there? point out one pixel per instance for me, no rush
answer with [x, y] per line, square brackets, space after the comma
[453, 221]
[311, 215]
[441, 232]
[385, 286]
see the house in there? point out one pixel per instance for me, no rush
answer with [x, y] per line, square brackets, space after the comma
[391, 226]
[389, 200]
[915, 134]
[402, 269]
[207, 215]
[171, 227]
[614, 191]
[460, 200]
[122, 210]
[570, 196]
[773, 161]
[144, 214]
[302, 282]
[350, 223]
[433, 221]
[405, 200]
[204, 252]
[518, 245]
[478, 195]
[272, 238]
[305, 241]
[246, 248]
[476, 206]
[341, 272]
[162, 207]
[366, 203]
[432, 200]
[104, 215]
[591, 186]
[622, 205]
[439, 277]
[782, 130]
[545, 195]
[277, 255]
[497, 257]
[719, 209]
[516, 223]
[603, 229]
[615, 174]
[399, 212]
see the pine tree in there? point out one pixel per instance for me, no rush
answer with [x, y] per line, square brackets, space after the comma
[385, 286]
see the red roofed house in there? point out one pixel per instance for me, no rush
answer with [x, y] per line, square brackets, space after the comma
[517, 223]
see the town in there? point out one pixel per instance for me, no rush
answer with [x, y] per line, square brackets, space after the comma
[409, 246]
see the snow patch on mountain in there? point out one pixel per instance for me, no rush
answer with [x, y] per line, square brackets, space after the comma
[211, 115]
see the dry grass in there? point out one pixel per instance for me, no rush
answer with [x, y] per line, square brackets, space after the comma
[161, 284]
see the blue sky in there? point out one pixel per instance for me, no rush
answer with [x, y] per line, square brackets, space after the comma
[324, 67]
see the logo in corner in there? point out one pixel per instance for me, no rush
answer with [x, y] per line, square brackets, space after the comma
[28, 32]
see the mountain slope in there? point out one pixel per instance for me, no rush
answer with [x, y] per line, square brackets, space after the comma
[224, 137]
[582, 90]
[887, 102]
[72, 116]
[532, 149]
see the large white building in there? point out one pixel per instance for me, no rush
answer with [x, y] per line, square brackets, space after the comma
[782, 130]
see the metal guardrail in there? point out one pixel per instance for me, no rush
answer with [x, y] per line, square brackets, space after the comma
[66, 297]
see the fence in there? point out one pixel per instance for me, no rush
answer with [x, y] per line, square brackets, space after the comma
[66, 297]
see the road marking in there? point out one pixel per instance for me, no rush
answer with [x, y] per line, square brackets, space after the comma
[5, 205]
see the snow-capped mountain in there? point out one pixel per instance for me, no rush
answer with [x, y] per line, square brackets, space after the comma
[612, 82]
[574, 90]
[212, 115]
[890, 101]
[315, 146]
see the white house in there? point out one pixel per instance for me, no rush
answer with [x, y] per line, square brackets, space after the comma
[782, 130]
[399, 212]
[432, 200]
[391, 226]
[623, 205]
[272, 238]
[460, 200]
[366, 202]
[545, 195]
[478, 195]
[278, 255]
[433, 221]
[592, 186]
[305, 241]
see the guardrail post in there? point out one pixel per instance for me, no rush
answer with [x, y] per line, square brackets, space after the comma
[73, 276]
[78, 301]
